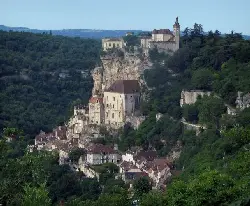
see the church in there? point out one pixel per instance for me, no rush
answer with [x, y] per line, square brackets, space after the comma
[163, 39]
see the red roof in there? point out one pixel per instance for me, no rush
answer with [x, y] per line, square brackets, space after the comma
[95, 100]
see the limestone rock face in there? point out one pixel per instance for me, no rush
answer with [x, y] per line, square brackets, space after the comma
[129, 67]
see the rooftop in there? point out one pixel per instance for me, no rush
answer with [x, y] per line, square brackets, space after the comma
[94, 99]
[124, 87]
[100, 148]
[162, 31]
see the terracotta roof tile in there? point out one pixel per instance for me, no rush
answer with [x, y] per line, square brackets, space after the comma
[95, 100]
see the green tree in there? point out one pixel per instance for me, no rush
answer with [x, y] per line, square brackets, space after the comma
[142, 186]
[75, 154]
[35, 196]
[190, 113]
[210, 110]
[153, 198]
[202, 79]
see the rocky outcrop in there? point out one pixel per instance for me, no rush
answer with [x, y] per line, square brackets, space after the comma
[114, 67]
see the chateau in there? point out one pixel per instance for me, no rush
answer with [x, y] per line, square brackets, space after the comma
[109, 43]
[163, 39]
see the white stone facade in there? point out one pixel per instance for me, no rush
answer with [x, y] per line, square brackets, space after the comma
[96, 159]
[110, 43]
[163, 39]
[96, 111]
[118, 105]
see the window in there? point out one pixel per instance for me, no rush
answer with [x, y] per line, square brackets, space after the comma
[97, 101]
[119, 114]
[107, 97]
[107, 114]
[109, 44]
[113, 98]
[107, 105]
[113, 115]
[113, 106]
[96, 122]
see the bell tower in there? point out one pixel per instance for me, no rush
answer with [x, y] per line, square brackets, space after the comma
[176, 28]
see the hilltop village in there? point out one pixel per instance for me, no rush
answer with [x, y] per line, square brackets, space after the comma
[118, 91]
[115, 101]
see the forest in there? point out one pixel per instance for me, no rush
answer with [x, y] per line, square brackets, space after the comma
[214, 165]
[41, 76]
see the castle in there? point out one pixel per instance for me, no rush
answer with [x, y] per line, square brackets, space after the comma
[115, 96]
[163, 39]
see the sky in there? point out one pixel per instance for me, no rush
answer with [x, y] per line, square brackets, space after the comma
[224, 15]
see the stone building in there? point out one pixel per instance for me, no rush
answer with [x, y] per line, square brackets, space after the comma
[242, 101]
[96, 110]
[163, 39]
[97, 78]
[110, 43]
[121, 99]
[99, 154]
[190, 97]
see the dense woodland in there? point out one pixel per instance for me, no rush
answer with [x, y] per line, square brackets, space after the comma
[214, 165]
[41, 76]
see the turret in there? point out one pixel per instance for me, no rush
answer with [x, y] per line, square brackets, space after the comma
[176, 28]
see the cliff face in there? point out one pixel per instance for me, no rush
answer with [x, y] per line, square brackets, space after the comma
[129, 67]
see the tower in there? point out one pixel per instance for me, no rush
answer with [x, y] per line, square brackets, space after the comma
[176, 32]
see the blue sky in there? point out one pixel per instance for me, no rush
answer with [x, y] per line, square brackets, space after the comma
[224, 15]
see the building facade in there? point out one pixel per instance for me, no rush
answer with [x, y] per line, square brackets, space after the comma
[163, 39]
[100, 154]
[190, 97]
[110, 43]
[120, 100]
[96, 110]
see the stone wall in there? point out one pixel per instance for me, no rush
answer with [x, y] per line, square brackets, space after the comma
[242, 101]
[167, 47]
[190, 97]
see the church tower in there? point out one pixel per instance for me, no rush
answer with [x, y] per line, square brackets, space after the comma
[176, 33]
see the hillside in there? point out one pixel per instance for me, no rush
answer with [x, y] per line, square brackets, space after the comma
[41, 76]
[83, 33]
[213, 164]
